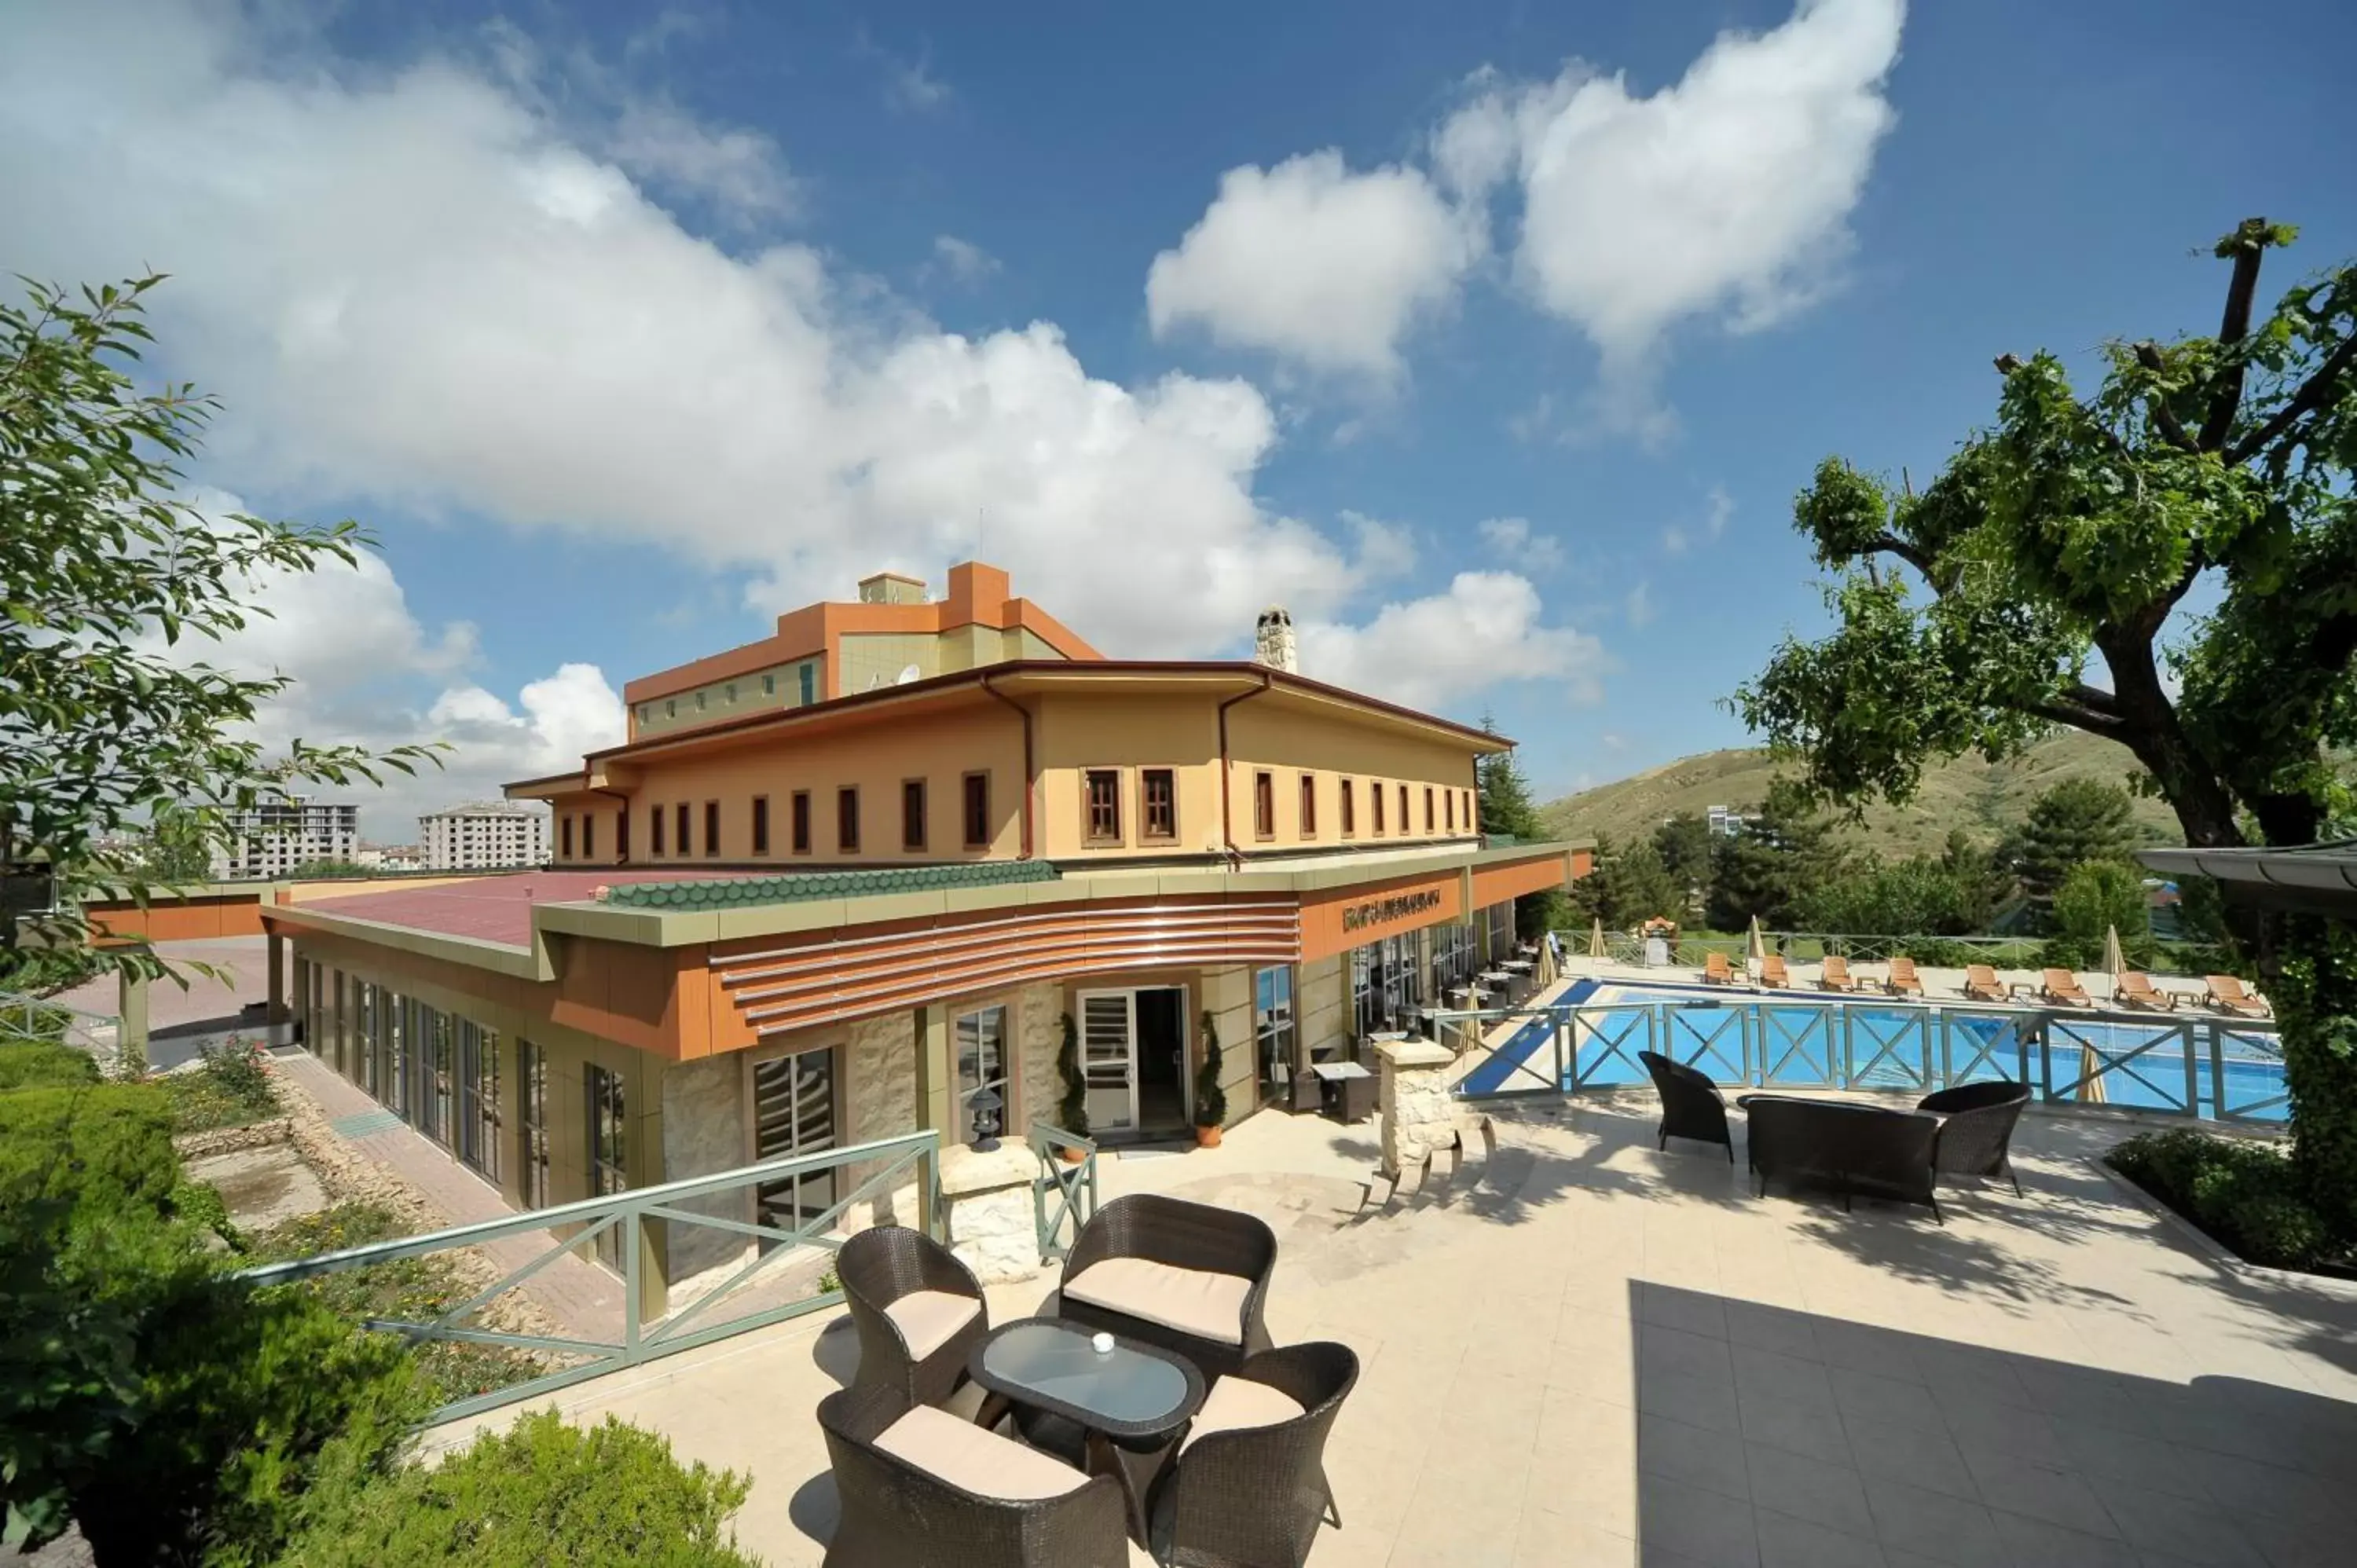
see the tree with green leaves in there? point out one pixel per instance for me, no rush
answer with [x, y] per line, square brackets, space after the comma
[1628, 885]
[2096, 898]
[1505, 794]
[1684, 843]
[2075, 822]
[1970, 614]
[1772, 865]
[109, 574]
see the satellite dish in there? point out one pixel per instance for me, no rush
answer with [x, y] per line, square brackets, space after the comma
[907, 673]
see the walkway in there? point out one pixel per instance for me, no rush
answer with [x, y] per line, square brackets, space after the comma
[1605, 1355]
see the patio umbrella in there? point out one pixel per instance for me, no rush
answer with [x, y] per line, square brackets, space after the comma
[1759, 948]
[2112, 962]
[1596, 939]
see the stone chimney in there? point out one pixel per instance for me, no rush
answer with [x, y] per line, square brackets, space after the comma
[1273, 640]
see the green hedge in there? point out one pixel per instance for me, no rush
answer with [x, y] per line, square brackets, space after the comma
[542, 1492]
[2245, 1194]
[33, 1065]
[106, 1147]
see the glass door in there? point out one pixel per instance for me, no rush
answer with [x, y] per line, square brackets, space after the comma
[793, 1114]
[1109, 1059]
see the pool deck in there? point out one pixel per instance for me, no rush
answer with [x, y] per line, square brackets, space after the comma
[1587, 1352]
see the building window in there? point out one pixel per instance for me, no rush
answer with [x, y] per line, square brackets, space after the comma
[731, 694]
[1448, 808]
[711, 828]
[1405, 826]
[1472, 821]
[609, 1163]
[1101, 796]
[588, 838]
[770, 685]
[437, 1076]
[622, 834]
[846, 821]
[809, 673]
[671, 707]
[1454, 956]
[1263, 805]
[646, 712]
[1157, 789]
[1427, 808]
[761, 824]
[1376, 799]
[982, 1065]
[1273, 1031]
[656, 822]
[565, 834]
[478, 1098]
[699, 701]
[912, 815]
[1350, 810]
[531, 1143]
[978, 811]
[1309, 805]
[801, 824]
[686, 829]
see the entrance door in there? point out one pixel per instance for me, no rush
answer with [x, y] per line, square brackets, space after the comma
[1162, 1059]
[793, 1114]
[1109, 1059]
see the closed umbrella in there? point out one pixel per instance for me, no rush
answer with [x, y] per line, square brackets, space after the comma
[1596, 939]
[1756, 954]
[2113, 960]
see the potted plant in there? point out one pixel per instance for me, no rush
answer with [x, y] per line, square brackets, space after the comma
[1210, 1100]
[1072, 1110]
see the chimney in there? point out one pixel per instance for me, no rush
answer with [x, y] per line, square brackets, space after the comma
[1273, 640]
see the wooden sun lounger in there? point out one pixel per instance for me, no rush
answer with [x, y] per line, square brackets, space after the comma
[1981, 984]
[1772, 974]
[2136, 989]
[1904, 980]
[2061, 987]
[1715, 970]
[1835, 975]
[2226, 994]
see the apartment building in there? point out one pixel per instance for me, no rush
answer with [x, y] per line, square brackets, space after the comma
[484, 836]
[274, 838]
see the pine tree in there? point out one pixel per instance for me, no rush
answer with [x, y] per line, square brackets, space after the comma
[1506, 805]
[2076, 821]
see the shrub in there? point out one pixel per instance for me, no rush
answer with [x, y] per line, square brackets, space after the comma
[229, 1087]
[2245, 1194]
[40, 1064]
[1211, 1096]
[2099, 896]
[544, 1491]
[101, 1146]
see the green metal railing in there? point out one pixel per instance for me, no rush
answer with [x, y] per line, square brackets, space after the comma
[627, 1217]
[1074, 1182]
[1806, 947]
[24, 1019]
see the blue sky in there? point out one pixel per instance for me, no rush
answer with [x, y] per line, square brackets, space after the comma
[625, 327]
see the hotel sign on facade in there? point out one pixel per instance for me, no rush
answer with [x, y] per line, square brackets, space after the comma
[1384, 911]
[1352, 917]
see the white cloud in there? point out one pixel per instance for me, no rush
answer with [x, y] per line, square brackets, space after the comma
[739, 171]
[961, 261]
[1321, 266]
[1434, 651]
[1675, 541]
[909, 84]
[1514, 538]
[1726, 194]
[1386, 548]
[1641, 605]
[1721, 508]
[420, 289]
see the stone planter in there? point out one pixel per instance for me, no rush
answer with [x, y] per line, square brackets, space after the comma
[986, 1207]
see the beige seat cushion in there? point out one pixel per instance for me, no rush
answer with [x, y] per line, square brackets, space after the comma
[976, 1461]
[926, 1319]
[1208, 1305]
[1235, 1403]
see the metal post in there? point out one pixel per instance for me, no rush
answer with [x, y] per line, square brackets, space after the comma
[634, 1313]
[131, 1030]
[2217, 1068]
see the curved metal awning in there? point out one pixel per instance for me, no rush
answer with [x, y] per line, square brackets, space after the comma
[2317, 878]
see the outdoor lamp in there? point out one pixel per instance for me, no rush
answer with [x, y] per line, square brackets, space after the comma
[985, 1105]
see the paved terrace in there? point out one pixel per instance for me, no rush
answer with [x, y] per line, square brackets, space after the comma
[1593, 1353]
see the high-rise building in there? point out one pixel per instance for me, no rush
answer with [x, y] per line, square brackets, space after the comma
[484, 836]
[273, 838]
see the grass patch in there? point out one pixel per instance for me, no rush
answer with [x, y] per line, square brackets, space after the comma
[230, 1087]
[2244, 1195]
[415, 1289]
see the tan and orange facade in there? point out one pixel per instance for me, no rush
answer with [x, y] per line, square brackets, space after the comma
[772, 925]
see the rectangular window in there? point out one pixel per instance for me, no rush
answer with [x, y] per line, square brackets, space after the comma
[478, 1098]
[770, 684]
[732, 692]
[588, 838]
[622, 833]
[711, 828]
[1158, 804]
[655, 823]
[1427, 808]
[809, 673]
[686, 829]
[1309, 805]
[532, 1142]
[978, 811]
[1350, 810]
[671, 707]
[608, 1164]
[699, 701]
[1273, 1031]
[982, 1070]
[1472, 823]
[565, 834]
[912, 815]
[761, 824]
[1448, 808]
[801, 822]
[1403, 826]
[1100, 796]
[846, 821]
[1263, 805]
[1376, 799]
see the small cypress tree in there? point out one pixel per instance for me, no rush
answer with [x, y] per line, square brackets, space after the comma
[1210, 1099]
[1072, 1110]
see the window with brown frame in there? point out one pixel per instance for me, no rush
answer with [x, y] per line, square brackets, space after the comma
[565, 834]
[799, 825]
[1100, 806]
[1406, 826]
[588, 838]
[1265, 805]
[1472, 819]
[1448, 808]
[978, 811]
[912, 815]
[1376, 799]
[622, 834]
[712, 827]
[1350, 809]
[686, 829]
[655, 821]
[1157, 789]
[761, 824]
[1427, 808]
[847, 819]
[1309, 805]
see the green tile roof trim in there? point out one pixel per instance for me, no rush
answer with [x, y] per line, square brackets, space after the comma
[735, 892]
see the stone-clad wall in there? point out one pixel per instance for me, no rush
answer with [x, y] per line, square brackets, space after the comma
[879, 1095]
[1038, 1030]
[1227, 995]
[702, 1133]
[1322, 1004]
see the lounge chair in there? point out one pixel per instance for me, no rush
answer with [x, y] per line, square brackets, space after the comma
[1981, 984]
[1835, 975]
[1249, 1482]
[1904, 980]
[2061, 987]
[1692, 1106]
[918, 1311]
[1715, 970]
[2226, 995]
[1773, 974]
[2134, 989]
[1976, 1123]
[1186, 1276]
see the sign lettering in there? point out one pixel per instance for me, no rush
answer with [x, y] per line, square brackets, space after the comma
[1382, 912]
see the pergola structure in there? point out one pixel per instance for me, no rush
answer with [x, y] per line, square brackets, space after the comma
[2312, 880]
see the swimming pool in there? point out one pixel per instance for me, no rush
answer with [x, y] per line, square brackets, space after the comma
[2190, 1065]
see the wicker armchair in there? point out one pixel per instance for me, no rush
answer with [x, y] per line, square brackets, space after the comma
[896, 1514]
[1218, 1260]
[908, 1297]
[1252, 1495]
[1692, 1106]
[1853, 1149]
[1977, 1128]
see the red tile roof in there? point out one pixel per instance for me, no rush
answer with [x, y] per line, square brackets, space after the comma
[495, 909]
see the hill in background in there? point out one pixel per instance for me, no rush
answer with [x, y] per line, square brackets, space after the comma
[1986, 800]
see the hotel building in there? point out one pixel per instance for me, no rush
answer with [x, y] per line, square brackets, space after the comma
[848, 881]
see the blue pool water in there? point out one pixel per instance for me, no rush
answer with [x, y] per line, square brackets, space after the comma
[1836, 1043]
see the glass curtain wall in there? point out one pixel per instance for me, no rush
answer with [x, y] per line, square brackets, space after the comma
[609, 1163]
[1273, 1033]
